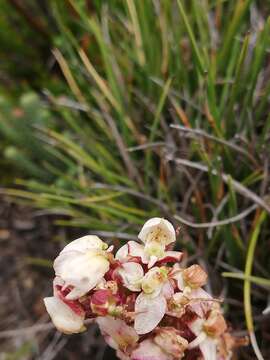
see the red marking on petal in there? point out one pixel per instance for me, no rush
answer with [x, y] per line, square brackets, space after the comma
[73, 304]
[100, 297]
[172, 257]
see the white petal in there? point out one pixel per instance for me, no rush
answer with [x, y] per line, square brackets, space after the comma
[64, 319]
[132, 274]
[153, 260]
[179, 278]
[148, 350]
[121, 336]
[167, 290]
[157, 229]
[198, 340]
[122, 253]
[148, 312]
[81, 270]
[137, 250]
[209, 349]
[196, 326]
[85, 243]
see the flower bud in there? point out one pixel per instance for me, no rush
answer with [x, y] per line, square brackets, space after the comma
[194, 276]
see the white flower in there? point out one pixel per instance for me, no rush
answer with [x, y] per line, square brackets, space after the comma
[64, 319]
[154, 280]
[149, 253]
[156, 234]
[81, 265]
[157, 230]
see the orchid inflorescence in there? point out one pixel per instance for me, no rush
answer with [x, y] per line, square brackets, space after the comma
[146, 309]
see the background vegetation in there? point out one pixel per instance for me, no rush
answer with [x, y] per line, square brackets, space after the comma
[115, 111]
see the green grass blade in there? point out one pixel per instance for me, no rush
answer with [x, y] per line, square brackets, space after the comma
[197, 55]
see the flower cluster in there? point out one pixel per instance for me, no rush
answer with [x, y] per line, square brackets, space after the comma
[147, 306]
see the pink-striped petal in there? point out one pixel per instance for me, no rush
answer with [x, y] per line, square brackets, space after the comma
[64, 319]
[171, 256]
[83, 271]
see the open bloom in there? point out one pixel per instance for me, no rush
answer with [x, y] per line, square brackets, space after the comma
[81, 265]
[156, 235]
[158, 231]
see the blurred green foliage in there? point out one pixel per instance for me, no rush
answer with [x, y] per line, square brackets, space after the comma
[94, 143]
